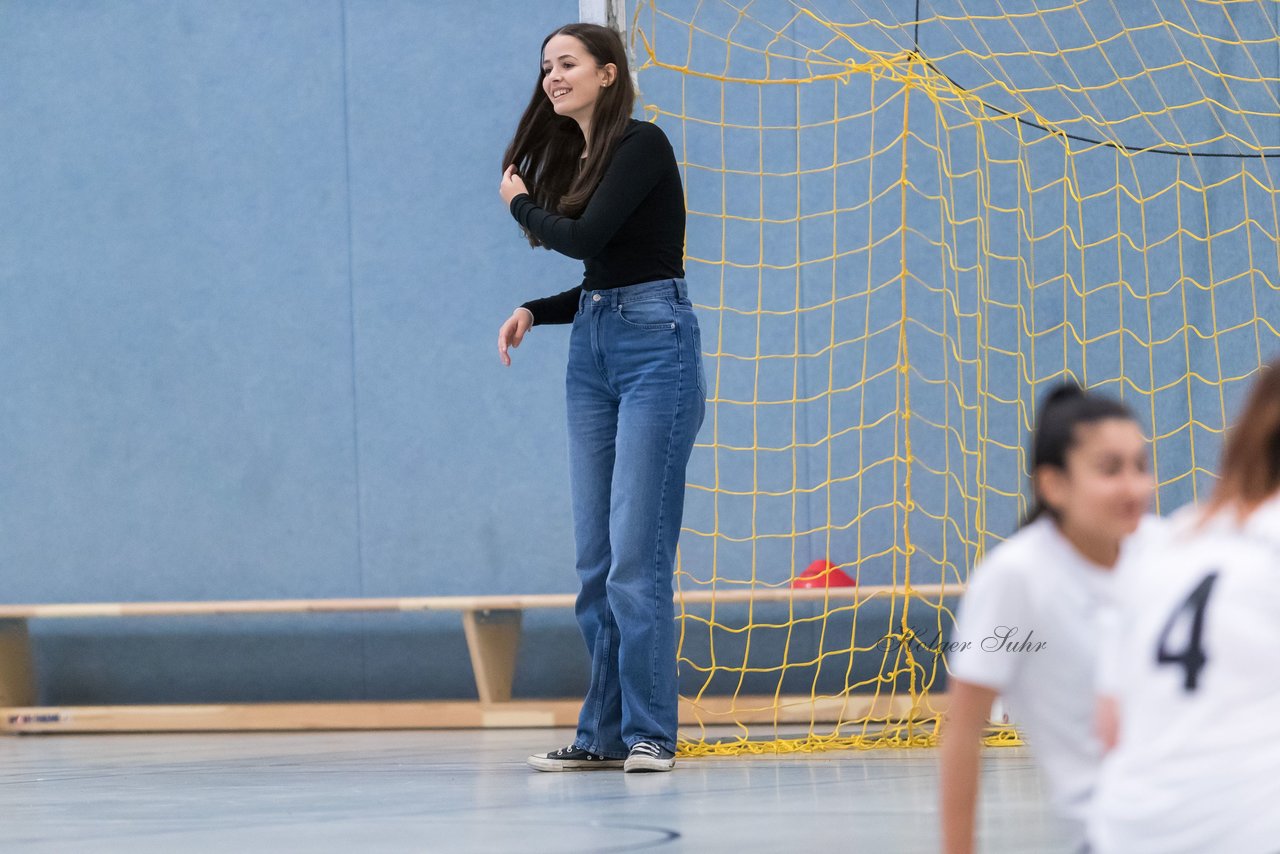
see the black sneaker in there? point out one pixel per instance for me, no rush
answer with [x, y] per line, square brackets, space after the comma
[648, 756]
[571, 759]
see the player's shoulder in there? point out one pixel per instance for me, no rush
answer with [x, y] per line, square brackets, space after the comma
[1027, 545]
[1017, 557]
[1188, 542]
[645, 134]
[1264, 522]
[1193, 525]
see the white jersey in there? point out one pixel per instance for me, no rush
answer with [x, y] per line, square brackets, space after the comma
[1028, 628]
[1194, 664]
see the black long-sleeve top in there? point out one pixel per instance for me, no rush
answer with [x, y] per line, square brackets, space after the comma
[631, 231]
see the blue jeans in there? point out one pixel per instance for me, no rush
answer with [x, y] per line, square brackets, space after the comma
[636, 396]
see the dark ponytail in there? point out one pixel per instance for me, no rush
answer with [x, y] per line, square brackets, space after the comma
[1061, 411]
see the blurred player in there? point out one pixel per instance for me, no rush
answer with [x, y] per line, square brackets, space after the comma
[1192, 672]
[1027, 626]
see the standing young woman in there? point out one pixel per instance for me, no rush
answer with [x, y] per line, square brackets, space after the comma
[1192, 673]
[585, 179]
[1028, 623]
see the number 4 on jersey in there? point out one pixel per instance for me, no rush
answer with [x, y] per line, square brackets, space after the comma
[1192, 657]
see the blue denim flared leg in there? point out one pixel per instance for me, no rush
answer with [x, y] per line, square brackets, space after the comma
[636, 397]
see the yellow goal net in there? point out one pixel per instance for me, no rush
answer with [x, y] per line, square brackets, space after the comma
[904, 220]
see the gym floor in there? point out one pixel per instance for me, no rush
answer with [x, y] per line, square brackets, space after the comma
[470, 791]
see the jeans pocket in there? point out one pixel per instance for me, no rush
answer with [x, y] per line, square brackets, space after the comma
[656, 313]
[697, 360]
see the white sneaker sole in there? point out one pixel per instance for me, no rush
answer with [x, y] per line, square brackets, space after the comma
[647, 763]
[542, 763]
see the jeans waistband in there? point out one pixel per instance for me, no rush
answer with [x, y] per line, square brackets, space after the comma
[630, 293]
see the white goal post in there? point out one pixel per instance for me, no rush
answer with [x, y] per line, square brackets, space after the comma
[610, 13]
[613, 14]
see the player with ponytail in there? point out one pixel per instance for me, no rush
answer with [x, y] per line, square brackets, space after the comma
[1027, 627]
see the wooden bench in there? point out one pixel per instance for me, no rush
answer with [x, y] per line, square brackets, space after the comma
[492, 628]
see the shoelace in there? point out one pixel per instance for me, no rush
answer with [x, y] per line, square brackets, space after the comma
[646, 747]
[570, 750]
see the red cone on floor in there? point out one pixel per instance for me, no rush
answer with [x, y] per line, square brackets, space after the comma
[823, 573]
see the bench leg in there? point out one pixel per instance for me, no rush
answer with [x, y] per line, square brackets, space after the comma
[492, 638]
[17, 673]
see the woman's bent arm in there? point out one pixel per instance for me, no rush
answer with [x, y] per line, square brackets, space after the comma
[638, 164]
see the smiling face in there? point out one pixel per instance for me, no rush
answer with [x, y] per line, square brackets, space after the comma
[572, 79]
[1106, 485]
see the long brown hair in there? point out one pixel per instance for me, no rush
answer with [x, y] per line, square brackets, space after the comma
[547, 148]
[1251, 457]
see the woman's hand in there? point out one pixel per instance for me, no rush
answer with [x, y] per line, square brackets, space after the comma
[1106, 722]
[512, 332]
[512, 185]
